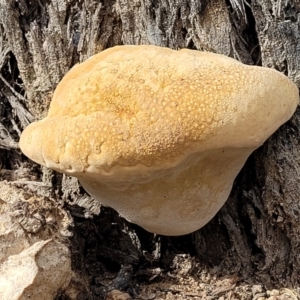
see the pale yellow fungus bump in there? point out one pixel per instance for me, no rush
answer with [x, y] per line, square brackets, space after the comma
[158, 134]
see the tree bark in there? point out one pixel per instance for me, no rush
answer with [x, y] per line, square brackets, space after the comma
[256, 234]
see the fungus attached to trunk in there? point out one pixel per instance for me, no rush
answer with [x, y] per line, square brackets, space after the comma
[158, 134]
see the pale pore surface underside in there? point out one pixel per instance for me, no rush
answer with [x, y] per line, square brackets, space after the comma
[178, 201]
[138, 114]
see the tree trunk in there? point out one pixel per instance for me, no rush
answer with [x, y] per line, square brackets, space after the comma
[256, 234]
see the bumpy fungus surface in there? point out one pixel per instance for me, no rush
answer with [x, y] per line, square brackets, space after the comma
[158, 134]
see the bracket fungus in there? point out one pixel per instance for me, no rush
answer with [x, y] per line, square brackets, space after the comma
[158, 134]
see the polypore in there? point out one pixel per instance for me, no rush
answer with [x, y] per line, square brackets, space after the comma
[158, 134]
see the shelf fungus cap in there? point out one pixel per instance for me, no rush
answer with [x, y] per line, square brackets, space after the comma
[158, 134]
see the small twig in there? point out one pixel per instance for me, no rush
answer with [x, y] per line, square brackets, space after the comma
[12, 89]
[6, 142]
[24, 115]
[27, 182]
[8, 145]
[15, 127]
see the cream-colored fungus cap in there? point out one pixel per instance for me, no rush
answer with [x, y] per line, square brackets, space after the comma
[158, 134]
